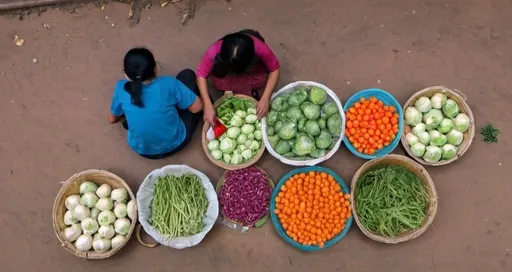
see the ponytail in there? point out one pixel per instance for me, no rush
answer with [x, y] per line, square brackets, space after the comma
[139, 66]
[134, 88]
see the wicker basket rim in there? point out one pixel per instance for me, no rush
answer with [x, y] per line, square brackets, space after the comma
[204, 141]
[59, 203]
[458, 97]
[422, 173]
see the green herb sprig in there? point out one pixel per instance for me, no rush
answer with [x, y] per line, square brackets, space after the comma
[490, 133]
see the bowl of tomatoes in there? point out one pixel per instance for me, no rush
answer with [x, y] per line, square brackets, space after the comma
[374, 123]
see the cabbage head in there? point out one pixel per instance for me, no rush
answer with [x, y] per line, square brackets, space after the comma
[450, 109]
[317, 153]
[432, 118]
[227, 145]
[294, 113]
[433, 153]
[301, 125]
[280, 103]
[311, 111]
[283, 147]
[317, 95]
[322, 123]
[323, 140]
[312, 128]
[334, 124]
[329, 109]
[278, 125]
[288, 130]
[413, 116]
[273, 140]
[272, 117]
[303, 145]
[449, 151]
[298, 97]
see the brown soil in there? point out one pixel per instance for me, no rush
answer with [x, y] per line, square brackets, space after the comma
[53, 119]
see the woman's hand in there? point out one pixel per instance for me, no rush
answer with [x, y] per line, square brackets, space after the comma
[209, 114]
[262, 107]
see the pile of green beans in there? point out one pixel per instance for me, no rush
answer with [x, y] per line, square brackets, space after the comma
[179, 205]
[390, 200]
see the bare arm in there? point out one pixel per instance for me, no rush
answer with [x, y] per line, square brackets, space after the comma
[264, 103]
[273, 77]
[113, 119]
[209, 111]
[197, 106]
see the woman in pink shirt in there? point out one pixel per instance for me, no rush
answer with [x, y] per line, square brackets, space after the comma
[240, 62]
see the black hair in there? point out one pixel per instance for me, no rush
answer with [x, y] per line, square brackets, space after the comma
[139, 66]
[236, 53]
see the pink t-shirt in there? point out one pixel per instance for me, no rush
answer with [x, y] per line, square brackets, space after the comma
[263, 52]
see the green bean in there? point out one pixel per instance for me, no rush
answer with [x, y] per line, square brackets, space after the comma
[179, 205]
[390, 200]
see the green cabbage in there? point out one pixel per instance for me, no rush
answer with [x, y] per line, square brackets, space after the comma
[280, 103]
[450, 109]
[318, 95]
[294, 113]
[312, 128]
[298, 97]
[432, 118]
[445, 125]
[437, 138]
[303, 145]
[288, 130]
[227, 145]
[271, 131]
[310, 110]
[301, 125]
[322, 123]
[233, 132]
[283, 147]
[272, 117]
[418, 150]
[323, 140]
[461, 122]
[449, 151]
[438, 100]
[432, 153]
[334, 124]
[317, 153]
[279, 125]
[423, 104]
[329, 109]
[413, 116]
[273, 140]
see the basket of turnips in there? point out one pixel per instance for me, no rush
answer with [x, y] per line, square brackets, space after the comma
[94, 214]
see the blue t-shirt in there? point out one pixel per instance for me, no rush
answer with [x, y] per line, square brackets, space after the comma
[155, 128]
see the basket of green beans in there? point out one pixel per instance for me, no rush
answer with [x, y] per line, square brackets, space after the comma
[178, 206]
[393, 199]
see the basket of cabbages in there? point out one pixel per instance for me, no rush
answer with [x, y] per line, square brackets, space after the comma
[439, 126]
[305, 124]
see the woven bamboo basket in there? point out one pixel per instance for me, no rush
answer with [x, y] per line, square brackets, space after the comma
[262, 220]
[458, 97]
[71, 187]
[204, 141]
[425, 179]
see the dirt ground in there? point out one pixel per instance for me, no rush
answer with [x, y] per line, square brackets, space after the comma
[53, 123]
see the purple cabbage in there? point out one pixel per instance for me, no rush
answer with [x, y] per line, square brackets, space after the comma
[245, 195]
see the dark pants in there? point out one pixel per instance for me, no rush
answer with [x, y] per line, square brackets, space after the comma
[187, 77]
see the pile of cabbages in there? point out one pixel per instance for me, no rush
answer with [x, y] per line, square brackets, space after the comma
[303, 124]
[437, 128]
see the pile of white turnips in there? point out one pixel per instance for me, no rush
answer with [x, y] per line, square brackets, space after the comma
[98, 218]
[438, 127]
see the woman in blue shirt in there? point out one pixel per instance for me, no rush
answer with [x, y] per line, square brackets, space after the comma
[161, 112]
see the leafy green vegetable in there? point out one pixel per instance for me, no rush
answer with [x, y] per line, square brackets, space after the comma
[318, 95]
[390, 200]
[329, 109]
[272, 117]
[490, 133]
[450, 109]
[432, 118]
[288, 130]
[312, 128]
[311, 111]
[294, 113]
[283, 147]
[322, 123]
[334, 124]
[280, 103]
[298, 97]
[317, 153]
[304, 145]
[323, 140]
[301, 125]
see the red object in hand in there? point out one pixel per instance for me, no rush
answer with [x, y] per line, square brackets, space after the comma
[218, 128]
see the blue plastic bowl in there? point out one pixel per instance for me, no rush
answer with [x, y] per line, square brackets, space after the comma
[388, 100]
[278, 225]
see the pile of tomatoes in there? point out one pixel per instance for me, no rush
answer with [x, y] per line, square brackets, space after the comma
[371, 125]
[312, 208]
